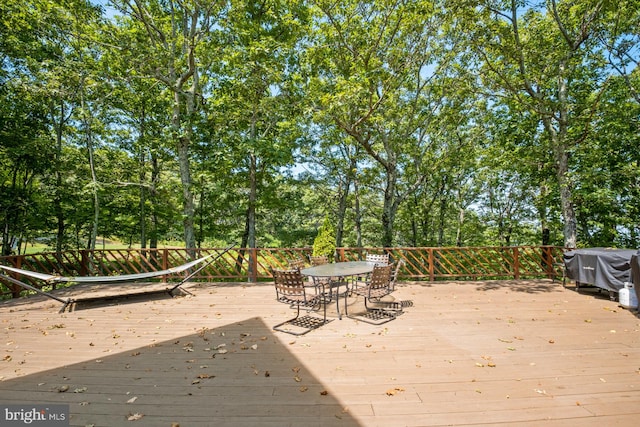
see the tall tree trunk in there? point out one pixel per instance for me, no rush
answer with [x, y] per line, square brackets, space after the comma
[358, 212]
[142, 216]
[57, 201]
[251, 211]
[87, 122]
[390, 202]
[559, 140]
[183, 147]
[153, 196]
[58, 118]
[342, 204]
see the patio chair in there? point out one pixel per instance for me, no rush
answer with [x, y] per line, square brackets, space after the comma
[322, 282]
[319, 260]
[296, 263]
[291, 290]
[299, 264]
[380, 259]
[377, 286]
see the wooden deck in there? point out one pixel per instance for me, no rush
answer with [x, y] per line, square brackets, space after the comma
[504, 353]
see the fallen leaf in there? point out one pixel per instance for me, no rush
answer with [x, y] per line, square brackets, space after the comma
[133, 399]
[135, 417]
[394, 391]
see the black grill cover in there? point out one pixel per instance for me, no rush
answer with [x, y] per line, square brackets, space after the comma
[635, 271]
[601, 267]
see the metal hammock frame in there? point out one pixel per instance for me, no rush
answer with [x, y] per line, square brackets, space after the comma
[52, 279]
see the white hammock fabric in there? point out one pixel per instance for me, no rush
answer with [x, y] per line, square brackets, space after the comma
[50, 278]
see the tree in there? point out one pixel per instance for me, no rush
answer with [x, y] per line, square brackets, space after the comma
[547, 61]
[44, 42]
[325, 242]
[174, 34]
[138, 110]
[378, 64]
[257, 93]
[24, 154]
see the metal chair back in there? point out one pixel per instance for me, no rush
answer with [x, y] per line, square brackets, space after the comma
[381, 259]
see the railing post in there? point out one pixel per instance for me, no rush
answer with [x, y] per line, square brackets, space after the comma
[516, 263]
[431, 262]
[165, 262]
[547, 262]
[253, 265]
[84, 262]
[16, 261]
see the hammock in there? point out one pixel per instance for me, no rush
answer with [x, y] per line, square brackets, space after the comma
[50, 278]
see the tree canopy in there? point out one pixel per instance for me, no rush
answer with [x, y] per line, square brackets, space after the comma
[400, 122]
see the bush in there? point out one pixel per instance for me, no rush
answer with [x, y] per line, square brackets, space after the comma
[325, 241]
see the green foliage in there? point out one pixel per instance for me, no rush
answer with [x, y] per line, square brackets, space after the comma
[409, 123]
[324, 243]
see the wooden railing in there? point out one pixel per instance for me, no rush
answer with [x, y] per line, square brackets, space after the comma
[253, 265]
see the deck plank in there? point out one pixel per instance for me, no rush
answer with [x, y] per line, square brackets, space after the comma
[512, 353]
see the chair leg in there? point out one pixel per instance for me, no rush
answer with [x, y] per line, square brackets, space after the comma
[306, 323]
[278, 327]
[374, 316]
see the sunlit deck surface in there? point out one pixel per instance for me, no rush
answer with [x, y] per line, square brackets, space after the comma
[517, 353]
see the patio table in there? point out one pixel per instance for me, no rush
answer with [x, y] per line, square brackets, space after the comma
[334, 275]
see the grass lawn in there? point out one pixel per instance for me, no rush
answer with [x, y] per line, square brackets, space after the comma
[35, 248]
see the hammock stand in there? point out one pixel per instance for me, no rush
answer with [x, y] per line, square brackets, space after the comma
[51, 279]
